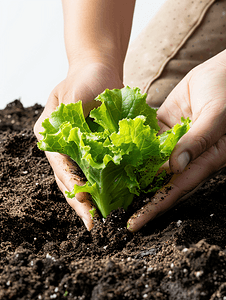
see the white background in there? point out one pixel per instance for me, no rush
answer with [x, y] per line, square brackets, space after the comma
[32, 54]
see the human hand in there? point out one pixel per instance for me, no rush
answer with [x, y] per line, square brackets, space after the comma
[201, 152]
[82, 83]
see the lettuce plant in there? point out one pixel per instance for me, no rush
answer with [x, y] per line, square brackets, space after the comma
[117, 147]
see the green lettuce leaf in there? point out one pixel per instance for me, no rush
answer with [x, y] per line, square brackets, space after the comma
[117, 147]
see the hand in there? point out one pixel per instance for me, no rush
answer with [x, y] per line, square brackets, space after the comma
[82, 83]
[200, 153]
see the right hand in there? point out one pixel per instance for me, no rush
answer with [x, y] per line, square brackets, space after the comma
[82, 83]
[201, 152]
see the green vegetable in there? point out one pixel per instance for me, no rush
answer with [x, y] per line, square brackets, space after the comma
[66, 293]
[118, 149]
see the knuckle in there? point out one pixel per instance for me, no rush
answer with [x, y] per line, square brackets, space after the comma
[221, 144]
[202, 143]
[216, 154]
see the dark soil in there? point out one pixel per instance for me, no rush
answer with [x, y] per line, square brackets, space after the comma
[46, 252]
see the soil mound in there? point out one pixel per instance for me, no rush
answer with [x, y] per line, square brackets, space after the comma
[46, 252]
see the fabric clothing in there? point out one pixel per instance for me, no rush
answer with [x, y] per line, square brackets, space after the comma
[182, 35]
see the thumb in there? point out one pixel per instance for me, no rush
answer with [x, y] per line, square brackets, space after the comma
[205, 131]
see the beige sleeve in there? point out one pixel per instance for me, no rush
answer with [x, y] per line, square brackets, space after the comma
[182, 35]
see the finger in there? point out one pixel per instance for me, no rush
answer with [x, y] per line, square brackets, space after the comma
[82, 208]
[67, 171]
[204, 133]
[180, 185]
[67, 175]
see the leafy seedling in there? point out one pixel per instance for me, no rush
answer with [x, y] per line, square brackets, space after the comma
[117, 147]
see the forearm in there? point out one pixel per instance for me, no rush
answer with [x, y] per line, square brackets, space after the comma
[97, 31]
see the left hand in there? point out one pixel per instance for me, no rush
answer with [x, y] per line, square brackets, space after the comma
[83, 82]
[201, 152]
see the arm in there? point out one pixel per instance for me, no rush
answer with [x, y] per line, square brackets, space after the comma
[96, 38]
[97, 31]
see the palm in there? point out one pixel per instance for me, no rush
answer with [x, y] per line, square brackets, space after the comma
[201, 95]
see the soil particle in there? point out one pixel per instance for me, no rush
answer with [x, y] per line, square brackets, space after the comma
[46, 252]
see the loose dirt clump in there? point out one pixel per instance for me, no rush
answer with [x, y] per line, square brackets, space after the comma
[46, 252]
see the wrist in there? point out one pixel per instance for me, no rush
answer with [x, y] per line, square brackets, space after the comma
[106, 59]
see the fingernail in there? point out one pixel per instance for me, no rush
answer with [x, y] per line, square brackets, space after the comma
[88, 223]
[130, 227]
[131, 223]
[183, 160]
